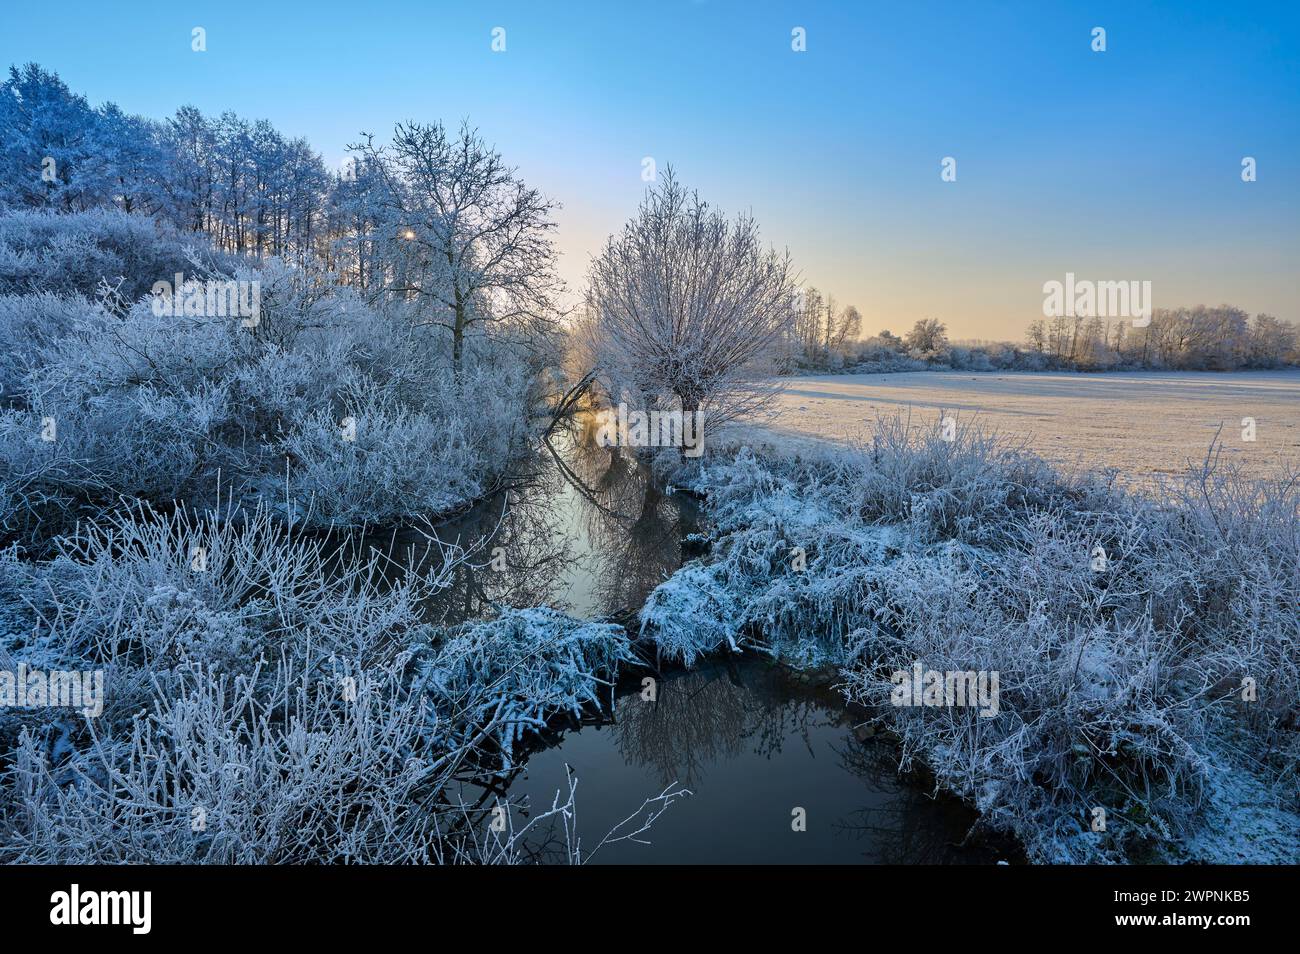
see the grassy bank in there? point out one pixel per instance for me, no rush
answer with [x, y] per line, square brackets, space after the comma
[1147, 649]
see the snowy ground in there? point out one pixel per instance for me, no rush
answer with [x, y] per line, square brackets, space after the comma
[1146, 424]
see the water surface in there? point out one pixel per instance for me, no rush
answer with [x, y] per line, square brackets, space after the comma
[589, 532]
[752, 742]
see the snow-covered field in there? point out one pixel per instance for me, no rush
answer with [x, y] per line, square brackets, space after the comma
[1145, 424]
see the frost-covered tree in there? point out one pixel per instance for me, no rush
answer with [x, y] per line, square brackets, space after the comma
[128, 161]
[1272, 341]
[847, 327]
[808, 322]
[927, 336]
[459, 232]
[687, 305]
[823, 333]
[46, 143]
[243, 183]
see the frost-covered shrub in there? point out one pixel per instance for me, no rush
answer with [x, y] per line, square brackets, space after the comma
[225, 771]
[961, 358]
[1121, 680]
[1234, 553]
[69, 254]
[505, 677]
[695, 612]
[267, 700]
[185, 408]
[1025, 360]
[396, 460]
[877, 356]
[40, 482]
[28, 325]
[222, 643]
[142, 592]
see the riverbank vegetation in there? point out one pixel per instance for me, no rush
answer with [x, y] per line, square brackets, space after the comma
[179, 484]
[1146, 650]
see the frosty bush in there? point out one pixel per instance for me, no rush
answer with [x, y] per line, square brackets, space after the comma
[1120, 687]
[693, 613]
[169, 409]
[220, 774]
[397, 461]
[514, 672]
[72, 254]
[267, 700]
[28, 325]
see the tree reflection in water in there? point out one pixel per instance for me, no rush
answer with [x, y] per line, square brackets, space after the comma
[711, 714]
[578, 527]
[752, 740]
[636, 531]
[896, 829]
[584, 529]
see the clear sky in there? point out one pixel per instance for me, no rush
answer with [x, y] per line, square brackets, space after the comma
[1117, 165]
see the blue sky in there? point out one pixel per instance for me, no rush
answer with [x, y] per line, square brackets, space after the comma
[1116, 165]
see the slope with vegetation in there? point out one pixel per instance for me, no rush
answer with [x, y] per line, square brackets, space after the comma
[1156, 683]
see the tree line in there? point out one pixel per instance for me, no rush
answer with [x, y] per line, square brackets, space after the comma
[242, 183]
[436, 220]
[1208, 338]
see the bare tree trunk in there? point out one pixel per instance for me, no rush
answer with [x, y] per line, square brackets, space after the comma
[458, 338]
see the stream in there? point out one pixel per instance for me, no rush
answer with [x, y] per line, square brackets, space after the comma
[588, 532]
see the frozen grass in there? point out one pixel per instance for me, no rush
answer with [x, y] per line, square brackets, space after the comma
[1118, 687]
[520, 669]
[273, 706]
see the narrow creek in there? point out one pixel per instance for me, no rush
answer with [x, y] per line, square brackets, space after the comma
[590, 533]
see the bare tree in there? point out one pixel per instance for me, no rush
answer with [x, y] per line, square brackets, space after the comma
[685, 304]
[1270, 341]
[927, 335]
[461, 233]
[1036, 336]
[848, 328]
[808, 322]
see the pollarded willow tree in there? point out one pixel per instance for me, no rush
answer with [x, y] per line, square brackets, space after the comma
[686, 306]
[460, 232]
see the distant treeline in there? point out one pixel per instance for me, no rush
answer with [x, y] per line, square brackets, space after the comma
[1199, 338]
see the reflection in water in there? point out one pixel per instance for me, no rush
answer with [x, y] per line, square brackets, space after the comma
[583, 529]
[576, 527]
[893, 831]
[638, 532]
[520, 547]
[753, 741]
